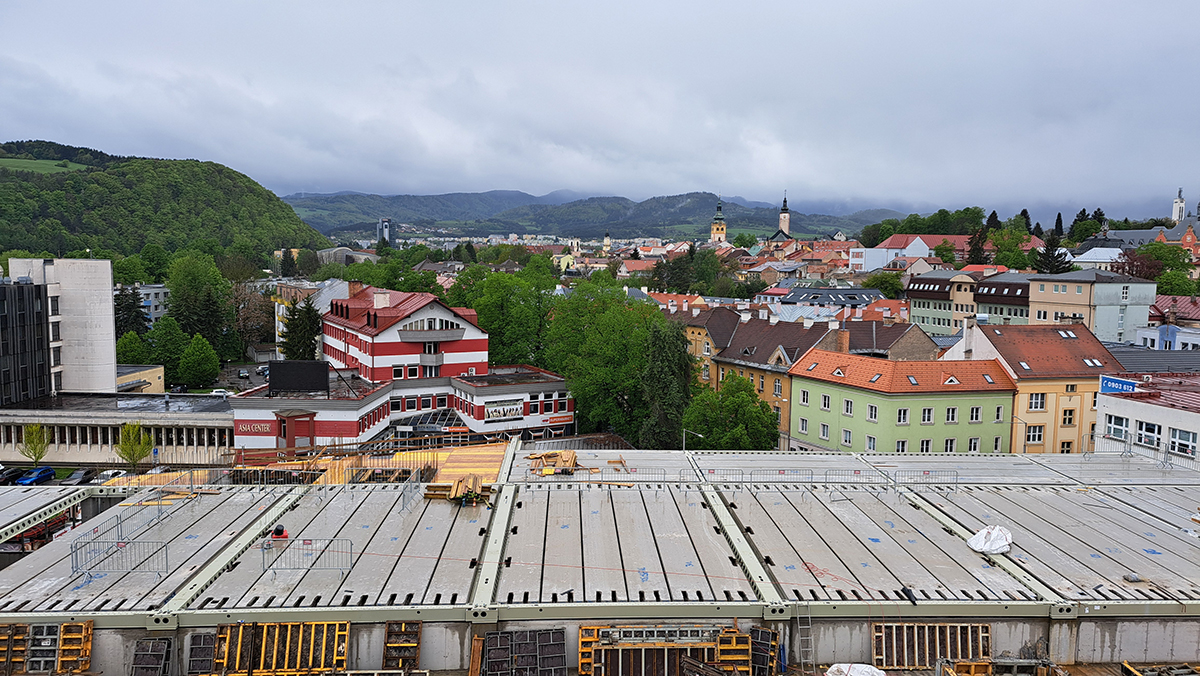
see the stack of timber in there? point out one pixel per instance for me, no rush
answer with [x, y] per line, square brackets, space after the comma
[557, 462]
[469, 489]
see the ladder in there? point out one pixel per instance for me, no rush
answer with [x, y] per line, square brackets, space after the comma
[802, 626]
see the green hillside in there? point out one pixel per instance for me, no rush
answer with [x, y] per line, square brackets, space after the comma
[331, 212]
[39, 166]
[122, 204]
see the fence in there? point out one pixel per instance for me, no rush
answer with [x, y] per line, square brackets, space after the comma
[1164, 452]
[119, 556]
[945, 479]
[799, 476]
[308, 554]
[861, 477]
[722, 476]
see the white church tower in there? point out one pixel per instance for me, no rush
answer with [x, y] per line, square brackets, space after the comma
[1179, 207]
[785, 218]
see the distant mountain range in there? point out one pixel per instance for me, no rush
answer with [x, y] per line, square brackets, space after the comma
[564, 213]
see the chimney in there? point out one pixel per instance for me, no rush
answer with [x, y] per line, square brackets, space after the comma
[833, 325]
[762, 313]
[745, 316]
[808, 322]
[774, 320]
[383, 299]
[354, 287]
[685, 306]
[968, 339]
[888, 320]
[843, 341]
[671, 308]
[695, 312]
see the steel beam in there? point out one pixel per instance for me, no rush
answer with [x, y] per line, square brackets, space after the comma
[483, 587]
[775, 607]
[53, 509]
[167, 616]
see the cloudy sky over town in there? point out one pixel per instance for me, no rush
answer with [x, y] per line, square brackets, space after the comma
[1054, 106]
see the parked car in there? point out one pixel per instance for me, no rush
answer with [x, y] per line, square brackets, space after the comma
[36, 477]
[159, 469]
[222, 392]
[263, 370]
[81, 476]
[179, 389]
[109, 474]
[243, 374]
[10, 475]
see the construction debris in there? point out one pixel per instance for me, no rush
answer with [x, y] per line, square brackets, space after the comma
[467, 490]
[558, 462]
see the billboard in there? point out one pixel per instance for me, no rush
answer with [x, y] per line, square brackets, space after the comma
[1111, 384]
[503, 410]
[296, 375]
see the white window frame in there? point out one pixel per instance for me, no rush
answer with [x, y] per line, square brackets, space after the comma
[1035, 434]
[927, 415]
[824, 434]
[1116, 426]
[973, 445]
[1183, 442]
[951, 414]
[847, 437]
[803, 425]
[902, 416]
[870, 443]
[951, 445]
[1148, 434]
[804, 397]
[848, 407]
[996, 444]
[976, 414]
[1037, 401]
[872, 412]
[902, 445]
[926, 445]
[778, 387]
[826, 402]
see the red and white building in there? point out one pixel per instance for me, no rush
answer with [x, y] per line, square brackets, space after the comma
[405, 363]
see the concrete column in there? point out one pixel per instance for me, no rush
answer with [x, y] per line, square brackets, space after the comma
[1063, 641]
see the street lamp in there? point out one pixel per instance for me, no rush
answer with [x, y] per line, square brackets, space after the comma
[687, 432]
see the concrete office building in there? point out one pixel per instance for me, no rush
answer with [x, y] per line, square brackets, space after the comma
[79, 292]
[25, 354]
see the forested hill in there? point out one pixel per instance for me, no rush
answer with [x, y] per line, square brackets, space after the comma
[122, 204]
[511, 211]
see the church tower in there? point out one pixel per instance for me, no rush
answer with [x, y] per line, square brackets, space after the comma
[785, 218]
[717, 230]
[607, 244]
[1179, 207]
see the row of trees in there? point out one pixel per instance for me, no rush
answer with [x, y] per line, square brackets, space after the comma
[189, 361]
[133, 446]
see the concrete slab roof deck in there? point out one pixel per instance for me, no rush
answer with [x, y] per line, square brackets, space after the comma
[127, 403]
[19, 502]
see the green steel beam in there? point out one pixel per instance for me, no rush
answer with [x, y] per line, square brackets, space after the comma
[49, 511]
[166, 616]
[776, 607]
[483, 587]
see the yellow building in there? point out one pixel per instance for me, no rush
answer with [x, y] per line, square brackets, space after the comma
[717, 229]
[1113, 306]
[1057, 370]
[139, 378]
[708, 332]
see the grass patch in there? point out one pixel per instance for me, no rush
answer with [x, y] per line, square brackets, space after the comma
[39, 166]
[61, 473]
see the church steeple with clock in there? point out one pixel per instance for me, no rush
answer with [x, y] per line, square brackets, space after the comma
[717, 229]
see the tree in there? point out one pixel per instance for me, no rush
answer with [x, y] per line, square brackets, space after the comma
[1037, 230]
[977, 247]
[253, 315]
[1135, 264]
[199, 365]
[745, 240]
[993, 221]
[287, 264]
[1172, 256]
[514, 310]
[732, 418]
[465, 290]
[1081, 230]
[1051, 259]
[167, 342]
[128, 312]
[1028, 220]
[1009, 243]
[635, 254]
[329, 271]
[199, 298]
[888, 283]
[945, 251]
[307, 262]
[129, 271]
[1099, 217]
[131, 349]
[301, 331]
[666, 385]
[35, 442]
[1058, 226]
[1081, 216]
[134, 445]
[156, 260]
[1175, 283]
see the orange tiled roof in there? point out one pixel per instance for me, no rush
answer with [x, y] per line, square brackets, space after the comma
[898, 377]
[1054, 351]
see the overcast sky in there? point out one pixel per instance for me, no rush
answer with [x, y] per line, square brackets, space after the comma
[1053, 106]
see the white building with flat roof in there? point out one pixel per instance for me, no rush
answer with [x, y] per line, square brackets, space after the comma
[82, 326]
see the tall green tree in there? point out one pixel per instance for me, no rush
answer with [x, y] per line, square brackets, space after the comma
[199, 365]
[732, 418]
[130, 270]
[131, 349]
[1172, 256]
[977, 247]
[1058, 226]
[302, 331]
[306, 262]
[745, 240]
[1009, 243]
[667, 380]
[199, 298]
[515, 313]
[156, 261]
[287, 264]
[888, 283]
[1051, 259]
[993, 221]
[466, 290]
[128, 312]
[167, 342]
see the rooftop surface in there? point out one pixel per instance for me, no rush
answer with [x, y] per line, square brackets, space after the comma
[511, 375]
[127, 403]
[840, 532]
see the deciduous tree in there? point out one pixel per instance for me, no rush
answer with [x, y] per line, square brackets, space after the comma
[1172, 256]
[134, 445]
[253, 314]
[35, 441]
[199, 365]
[1137, 265]
[306, 262]
[888, 283]
[167, 342]
[199, 298]
[1175, 283]
[131, 349]
[732, 418]
[745, 240]
[945, 251]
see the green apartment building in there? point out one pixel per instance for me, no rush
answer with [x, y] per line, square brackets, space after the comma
[845, 402]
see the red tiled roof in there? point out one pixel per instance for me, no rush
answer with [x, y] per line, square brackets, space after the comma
[679, 298]
[1054, 351]
[638, 265]
[1186, 307]
[960, 242]
[362, 315]
[897, 377]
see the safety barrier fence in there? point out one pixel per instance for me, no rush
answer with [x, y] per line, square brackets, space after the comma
[119, 556]
[781, 476]
[307, 554]
[1167, 453]
[935, 479]
[859, 477]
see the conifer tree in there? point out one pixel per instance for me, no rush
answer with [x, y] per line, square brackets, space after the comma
[977, 247]
[1058, 226]
[993, 221]
[1051, 259]
[302, 329]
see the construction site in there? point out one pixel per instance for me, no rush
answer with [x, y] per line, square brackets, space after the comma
[564, 557]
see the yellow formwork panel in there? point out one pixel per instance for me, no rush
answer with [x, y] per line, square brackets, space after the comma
[74, 647]
[14, 642]
[281, 648]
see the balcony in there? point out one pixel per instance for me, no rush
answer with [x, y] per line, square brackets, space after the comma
[432, 359]
[444, 336]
